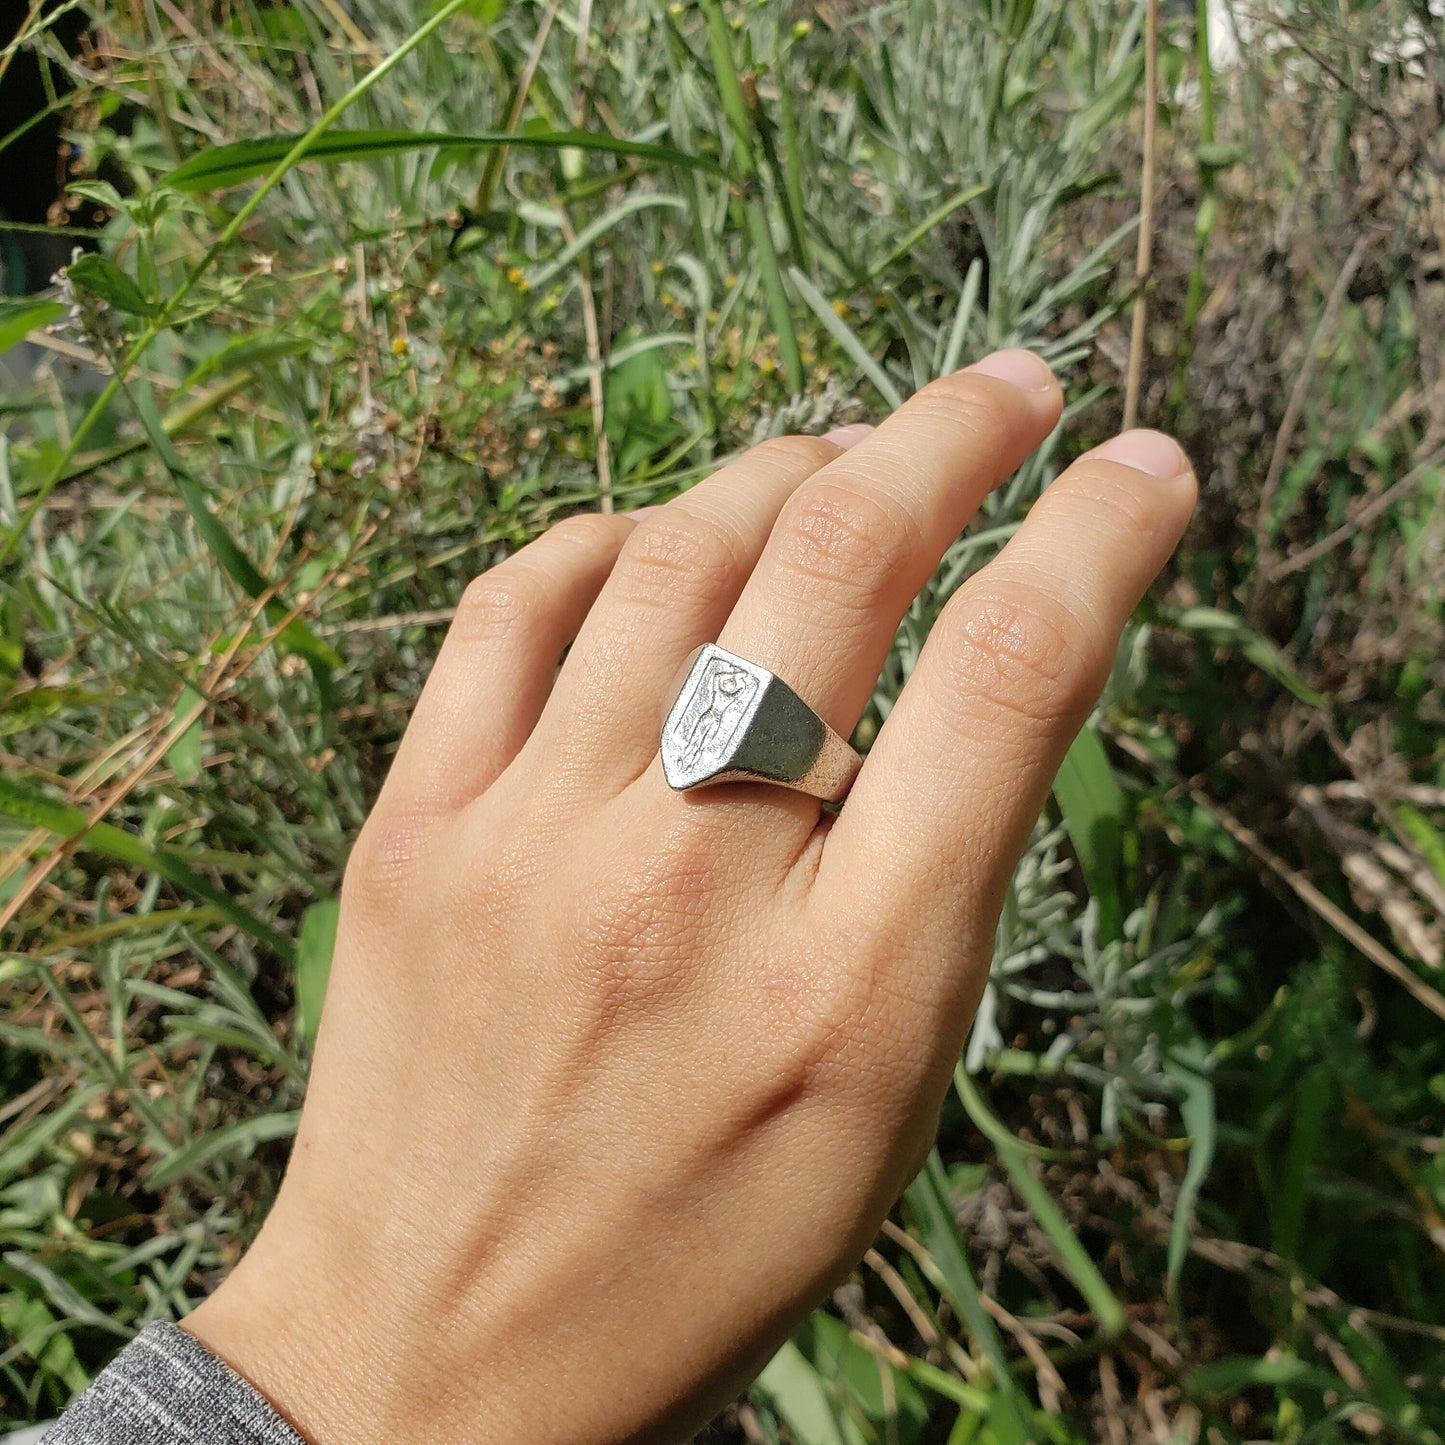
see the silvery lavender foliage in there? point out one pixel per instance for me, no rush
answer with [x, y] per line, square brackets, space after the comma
[830, 407]
[89, 321]
[1114, 1016]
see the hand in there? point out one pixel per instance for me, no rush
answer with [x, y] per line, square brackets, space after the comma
[614, 1082]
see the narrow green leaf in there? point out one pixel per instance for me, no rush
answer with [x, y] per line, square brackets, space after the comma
[315, 944]
[20, 802]
[184, 754]
[1226, 630]
[1229, 1377]
[18, 318]
[1092, 805]
[847, 338]
[241, 1138]
[1196, 1107]
[936, 1228]
[66, 1299]
[297, 635]
[1425, 836]
[1072, 1255]
[26, 1142]
[1314, 1100]
[796, 1393]
[230, 165]
[101, 277]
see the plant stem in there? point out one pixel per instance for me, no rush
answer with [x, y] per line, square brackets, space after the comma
[746, 176]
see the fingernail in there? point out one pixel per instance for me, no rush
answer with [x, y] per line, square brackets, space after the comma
[1019, 368]
[1146, 451]
[847, 436]
[641, 512]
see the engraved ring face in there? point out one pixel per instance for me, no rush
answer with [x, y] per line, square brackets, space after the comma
[729, 720]
[714, 703]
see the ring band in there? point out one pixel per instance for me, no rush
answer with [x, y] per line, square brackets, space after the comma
[730, 721]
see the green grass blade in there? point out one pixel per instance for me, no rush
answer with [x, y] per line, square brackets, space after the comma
[17, 801]
[25, 1142]
[296, 635]
[935, 1226]
[1108, 1311]
[797, 1393]
[242, 1137]
[315, 944]
[230, 165]
[18, 318]
[1197, 1108]
[847, 338]
[1092, 805]
[1224, 629]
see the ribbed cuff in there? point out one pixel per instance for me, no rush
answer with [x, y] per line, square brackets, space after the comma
[166, 1388]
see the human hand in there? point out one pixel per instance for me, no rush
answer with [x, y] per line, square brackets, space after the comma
[614, 1082]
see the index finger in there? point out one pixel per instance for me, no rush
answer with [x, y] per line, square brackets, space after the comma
[934, 826]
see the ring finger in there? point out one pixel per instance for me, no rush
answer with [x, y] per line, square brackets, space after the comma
[672, 586]
[854, 544]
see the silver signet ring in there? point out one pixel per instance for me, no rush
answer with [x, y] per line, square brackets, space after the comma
[730, 721]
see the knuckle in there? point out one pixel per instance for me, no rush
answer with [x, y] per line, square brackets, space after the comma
[587, 531]
[1020, 651]
[677, 554]
[793, 454]
[386, 855]
[499, 605]
[853, 543]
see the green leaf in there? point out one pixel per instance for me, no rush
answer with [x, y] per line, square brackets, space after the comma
[241, 1138]
[18, 318]
[184, 754]
[22, 803]
[1425, 836]
[899, 1411]
[297, 636]
[1229, 1377]
[25, 1142]
[101, 192]
[1314, 1100]
[641, 413]
[1196, 1108]
[848, 339]
[1226, 630]
[797, 1394]
[229, 165]
[101, 277]
[1108, 1311]
[1092, 805]
[314, 946]
[935, 1226]
[484, 12]
[1217, 155]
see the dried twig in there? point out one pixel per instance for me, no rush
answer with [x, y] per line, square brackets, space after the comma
[1329, 319]
[1298, 561]
[1328, 912]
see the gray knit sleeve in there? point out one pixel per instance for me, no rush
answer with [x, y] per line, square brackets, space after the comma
[165, 1388]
